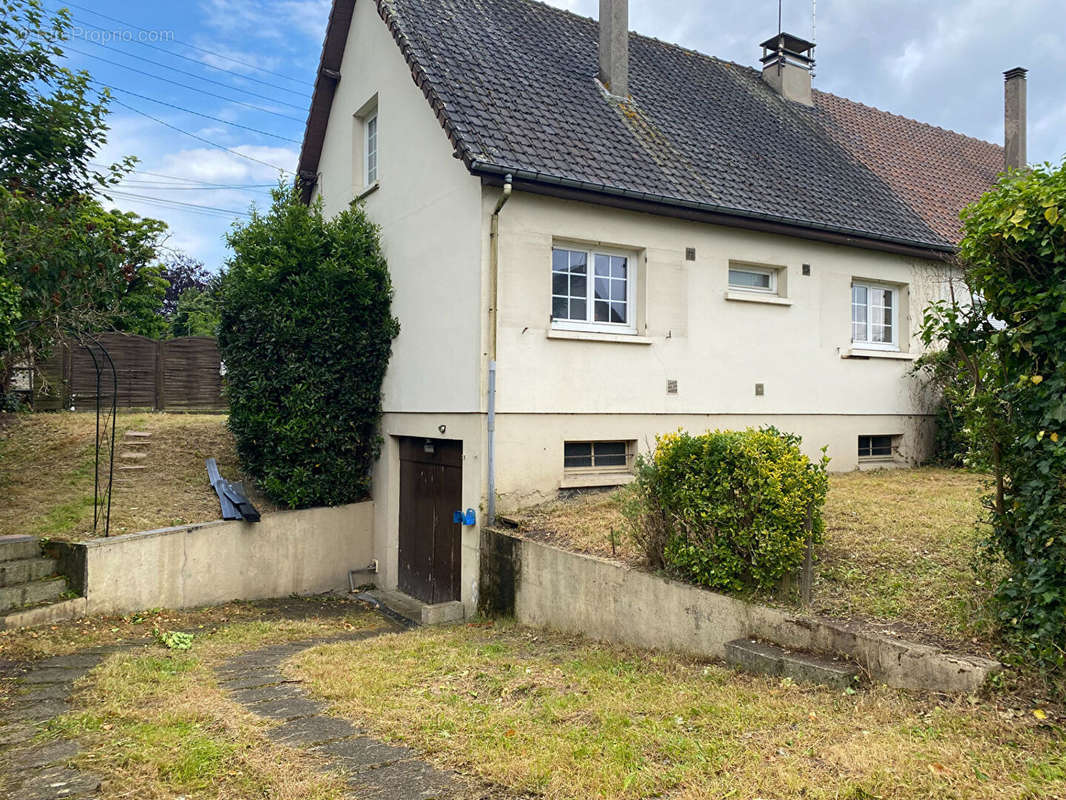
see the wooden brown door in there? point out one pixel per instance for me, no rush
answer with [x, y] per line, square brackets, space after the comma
[431, 491]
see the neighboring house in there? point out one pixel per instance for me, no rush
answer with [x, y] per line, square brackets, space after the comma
[596, 237]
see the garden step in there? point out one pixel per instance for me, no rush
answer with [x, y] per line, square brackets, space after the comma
[769, 659]
[13, 548]
[25, 570]
[28, 594]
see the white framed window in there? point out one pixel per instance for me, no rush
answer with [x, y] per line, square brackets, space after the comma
[877, 447]
[593, 289]
[875, 316]
[370, 148]
[746, 278]
[598, 456]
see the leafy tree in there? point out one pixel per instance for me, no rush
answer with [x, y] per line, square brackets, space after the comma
[53, 121]
[198, 312]
[306, 334]
[1008, 342]
[75, 266]
[182, 272]
[140, 309]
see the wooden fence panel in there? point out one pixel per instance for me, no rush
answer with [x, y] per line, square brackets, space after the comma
[191, 373]
[134, 358]
[180, 374]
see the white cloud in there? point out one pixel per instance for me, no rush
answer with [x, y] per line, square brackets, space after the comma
[270, 20]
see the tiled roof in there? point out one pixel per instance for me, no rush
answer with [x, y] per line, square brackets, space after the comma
[512, 82]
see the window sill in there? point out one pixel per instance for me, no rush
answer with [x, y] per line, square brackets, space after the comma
[757, 297]
[369, 190]
[595, 480]
[597, 336]
[858, 352]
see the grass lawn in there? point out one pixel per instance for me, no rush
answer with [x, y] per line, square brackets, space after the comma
[46, 473]
[153, 722]
[898, 549]
[562, 717]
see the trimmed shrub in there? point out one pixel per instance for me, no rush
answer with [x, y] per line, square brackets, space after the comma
[306, 335]
[729, 509]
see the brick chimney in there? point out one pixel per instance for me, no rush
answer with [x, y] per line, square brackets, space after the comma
[1014, 141]
[787, 62]
[614, 46]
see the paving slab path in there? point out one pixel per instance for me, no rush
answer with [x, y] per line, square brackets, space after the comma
[43, 770]
[373, 770]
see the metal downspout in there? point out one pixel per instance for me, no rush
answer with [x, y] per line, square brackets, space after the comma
[494, 268]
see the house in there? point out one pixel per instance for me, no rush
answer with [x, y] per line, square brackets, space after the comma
[596, 237]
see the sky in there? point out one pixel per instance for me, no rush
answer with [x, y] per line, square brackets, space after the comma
[211, 95]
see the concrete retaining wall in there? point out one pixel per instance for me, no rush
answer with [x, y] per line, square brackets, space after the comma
[581, 594]
[289, 552]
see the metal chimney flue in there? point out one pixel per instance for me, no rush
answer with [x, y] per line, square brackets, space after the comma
[614, 46]
[1014, 128]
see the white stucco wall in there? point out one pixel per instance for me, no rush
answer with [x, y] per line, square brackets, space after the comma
[428, 207]
[552, 390]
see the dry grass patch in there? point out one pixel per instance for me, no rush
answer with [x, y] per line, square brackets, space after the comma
[47, 465]
[900, 545]
[899, 548]
[566, 718]
[156, 725]
[590, 522]
[240, 623]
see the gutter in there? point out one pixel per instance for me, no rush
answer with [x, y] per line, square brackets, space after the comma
[584, 191]
[494, 296]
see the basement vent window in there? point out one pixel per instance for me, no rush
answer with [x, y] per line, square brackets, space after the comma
[598, 456]
[879, 448]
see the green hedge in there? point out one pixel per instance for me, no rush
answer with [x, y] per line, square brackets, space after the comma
[728, 509]
[306, 332]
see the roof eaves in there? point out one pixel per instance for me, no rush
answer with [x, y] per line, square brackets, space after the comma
[727, 215]
[329, 64]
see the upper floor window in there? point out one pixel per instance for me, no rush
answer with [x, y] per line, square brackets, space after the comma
[593, 290]
[753, 279]
[875, 316]
[370, 148]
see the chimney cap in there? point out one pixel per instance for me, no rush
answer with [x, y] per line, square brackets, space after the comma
[1017, 72]
[787, 44]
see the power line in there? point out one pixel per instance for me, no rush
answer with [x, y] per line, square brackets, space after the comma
[162, 201]
[196, 61]
[202, 139]
[186, 44]
[197, 113]
[193, 88]
[170, 177]
[171, 187]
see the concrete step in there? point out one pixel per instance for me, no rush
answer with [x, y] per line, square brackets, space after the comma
[25, 570]
[769, 659]
[138, 435]
[398, 604]
[44, 615]
[13, 548]
[30, 594]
